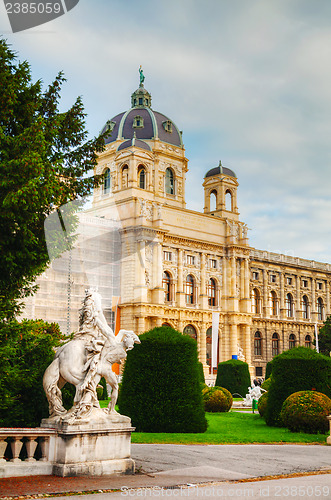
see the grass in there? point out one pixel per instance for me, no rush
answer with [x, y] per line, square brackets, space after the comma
[230, 428]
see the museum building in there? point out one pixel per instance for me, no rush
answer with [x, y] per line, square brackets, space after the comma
[178, 266]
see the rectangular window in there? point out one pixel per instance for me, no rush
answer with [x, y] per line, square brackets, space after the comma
[319, 286]
[213, 263]
[289, 281]
[255, 275]
[272, 278]
[305, 283]
[190, 259]
[258, 371]
[167, 255]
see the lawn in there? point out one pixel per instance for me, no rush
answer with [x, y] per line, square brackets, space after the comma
[231, 428]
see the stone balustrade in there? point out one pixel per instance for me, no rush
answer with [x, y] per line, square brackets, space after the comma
[24, 441]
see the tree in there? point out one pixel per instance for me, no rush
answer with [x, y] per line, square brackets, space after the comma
[45, 160]
[324, 337]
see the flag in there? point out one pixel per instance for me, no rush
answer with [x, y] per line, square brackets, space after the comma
[214, 338]
[316, 337]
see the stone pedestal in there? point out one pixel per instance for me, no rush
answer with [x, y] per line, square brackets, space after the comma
[99, 446]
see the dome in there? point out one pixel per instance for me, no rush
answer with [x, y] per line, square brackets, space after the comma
[142, 122]
[220, 170]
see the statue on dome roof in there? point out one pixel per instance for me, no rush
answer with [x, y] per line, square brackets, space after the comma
[142, 77]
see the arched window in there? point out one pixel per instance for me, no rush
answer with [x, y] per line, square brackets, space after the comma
[320, 309]
[125, 176]
[169, 181]
[213, 200]
[142, 177]
[308, 341]
[211, 292]
[208, 346]
[289, 305]
[257, 344]
[166, 282]
[275, 344]
[191, 331]
[305, 307]
[273, 303]
[256, 301]
[189, 289]
[228, 200]
[291, 341]
[106, 181]
[166, 324]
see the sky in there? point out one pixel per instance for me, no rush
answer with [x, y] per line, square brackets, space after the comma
[248, 82]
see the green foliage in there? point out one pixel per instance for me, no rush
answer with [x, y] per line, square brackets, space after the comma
[268, 369]
[161, 386]
[234, 376]
[262, 404]
[298, 369]
[26, 349]
[324, 337]
[306, 411]
[217, 399]
[266, 384]
[201, 374]
[99, 390]
[45, 162]
[103, 383]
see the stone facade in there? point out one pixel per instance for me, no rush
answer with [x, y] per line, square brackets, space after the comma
[178, 265]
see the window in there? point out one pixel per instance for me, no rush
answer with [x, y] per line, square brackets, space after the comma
[212, 292]
[140, 101]
[189, 289]
[305, 307]
[190, 259]
[308, 341]
[291, 341]
[257, 344]
[320, 308]
[289, 281]
[191, 331]
[125, 176]
[106, 181]
[166, 324]
[273, 304]
[167, 125]
[275, 344]
[213, 263]
[167, 255]
[141, 177]
[169, 182]
[255, 275]
[256, 301]
[166, 283]
[305, 283]
[138, 122]
[272, 278]
[110, 125]
[228, 200]
[289, 305]
[258, 371]
[319, 286]
[213, 200]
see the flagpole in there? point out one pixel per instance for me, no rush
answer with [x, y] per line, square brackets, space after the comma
[316, 338]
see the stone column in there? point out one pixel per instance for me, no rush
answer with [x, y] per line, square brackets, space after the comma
[233, 339]
[203, 289]
[158, 292]
[247, 346]
[298, 301]
[180, 289]
[327, 285]
[265, 305]
[282, 296]
[202, 344]
[140, 290]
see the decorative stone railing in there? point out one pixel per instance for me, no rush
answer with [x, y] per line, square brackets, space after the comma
[288, 259]
[25, 441]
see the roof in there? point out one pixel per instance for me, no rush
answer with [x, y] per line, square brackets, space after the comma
[220, 170]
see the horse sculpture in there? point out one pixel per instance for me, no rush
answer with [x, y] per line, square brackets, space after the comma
[84, 360]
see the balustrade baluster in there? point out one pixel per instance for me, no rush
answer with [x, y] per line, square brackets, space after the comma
[3, 446]
[31, 446]
[16, 446]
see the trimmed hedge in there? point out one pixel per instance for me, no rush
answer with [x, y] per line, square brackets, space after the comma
[306, 411]
[268, 369]
[201, 374]
[266, 384]
[161, 385]
[234, 376]
[262, 404]
[217, 399]
[298, 369]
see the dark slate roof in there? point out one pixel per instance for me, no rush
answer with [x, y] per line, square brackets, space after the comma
[153, 127]
[217, 171]
[134, 142]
